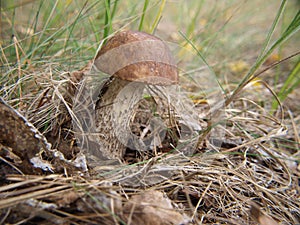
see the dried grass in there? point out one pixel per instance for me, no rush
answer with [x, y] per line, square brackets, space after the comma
[258, 162]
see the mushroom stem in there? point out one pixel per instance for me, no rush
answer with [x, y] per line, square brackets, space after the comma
[116, 103]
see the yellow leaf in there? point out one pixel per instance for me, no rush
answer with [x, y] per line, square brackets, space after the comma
[238, 66]
[272, 59]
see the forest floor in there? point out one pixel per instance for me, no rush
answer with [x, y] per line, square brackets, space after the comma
[242, 167]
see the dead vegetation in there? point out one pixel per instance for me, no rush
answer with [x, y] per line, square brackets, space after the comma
[248, 176]
[256, 165]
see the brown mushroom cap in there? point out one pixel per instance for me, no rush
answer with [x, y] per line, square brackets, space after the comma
[138, 56]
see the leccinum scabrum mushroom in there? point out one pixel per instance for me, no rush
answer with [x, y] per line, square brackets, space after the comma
[134, 60]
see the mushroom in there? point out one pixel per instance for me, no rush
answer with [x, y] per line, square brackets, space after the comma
[133, 60]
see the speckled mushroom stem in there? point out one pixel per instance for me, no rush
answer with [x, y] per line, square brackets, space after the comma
[111, 125]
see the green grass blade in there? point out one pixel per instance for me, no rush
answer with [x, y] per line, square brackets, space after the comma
[146, 3]
[289, 85]
[292, 29]
[37, 16]
[274, 25]
[158, 16]
[108, 20]
[37, 44]
[114, 9]
[74, 23]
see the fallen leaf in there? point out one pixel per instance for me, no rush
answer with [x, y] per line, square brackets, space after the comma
[260, 217]
[151, 208]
